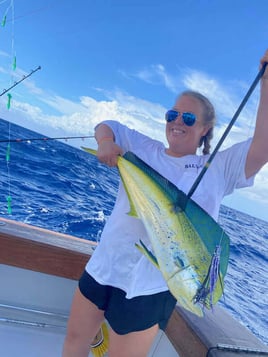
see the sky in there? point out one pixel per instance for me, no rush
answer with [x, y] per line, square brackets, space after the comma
[128, 60]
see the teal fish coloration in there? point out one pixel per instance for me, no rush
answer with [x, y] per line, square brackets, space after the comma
[189, 247]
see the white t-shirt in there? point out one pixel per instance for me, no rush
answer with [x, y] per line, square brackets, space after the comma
[116, 261]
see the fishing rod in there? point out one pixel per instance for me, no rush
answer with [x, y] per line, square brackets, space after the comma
[21, 80]
[19, 140]
[226, 132]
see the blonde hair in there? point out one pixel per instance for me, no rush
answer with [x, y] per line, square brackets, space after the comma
[209, 118]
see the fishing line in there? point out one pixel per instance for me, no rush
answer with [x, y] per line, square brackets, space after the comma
[8, 141]
[9, 96]
[9, 210]
[34, 11]
[20, 140]
[4, 19]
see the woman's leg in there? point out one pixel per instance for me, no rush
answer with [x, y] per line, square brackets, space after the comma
[133, 344]
[83, 325]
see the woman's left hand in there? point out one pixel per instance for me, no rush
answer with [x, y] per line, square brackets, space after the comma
[264, 60]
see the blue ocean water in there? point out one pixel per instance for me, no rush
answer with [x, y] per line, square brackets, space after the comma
[56, 186]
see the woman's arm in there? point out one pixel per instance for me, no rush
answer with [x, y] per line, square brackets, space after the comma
[258, 151]
[108, 151]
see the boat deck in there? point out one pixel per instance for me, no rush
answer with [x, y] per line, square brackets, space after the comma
[18, 340]
[38, 329]
[32, 342]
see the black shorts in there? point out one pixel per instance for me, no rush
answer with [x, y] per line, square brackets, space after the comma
[128, 315]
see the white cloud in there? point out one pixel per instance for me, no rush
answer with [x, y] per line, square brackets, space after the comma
[260, 191]
[2, 70]
[211, 88]
[4, 54]
[157, 74]
[82, 115]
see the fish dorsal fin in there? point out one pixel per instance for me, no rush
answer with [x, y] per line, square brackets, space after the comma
[132, 211]
[89, 150]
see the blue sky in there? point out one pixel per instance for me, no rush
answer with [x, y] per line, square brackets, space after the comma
[128, 60]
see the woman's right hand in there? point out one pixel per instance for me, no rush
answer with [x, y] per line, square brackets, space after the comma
[108, 152]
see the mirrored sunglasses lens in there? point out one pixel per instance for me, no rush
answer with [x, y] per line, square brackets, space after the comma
[188, 119]
[171, 115]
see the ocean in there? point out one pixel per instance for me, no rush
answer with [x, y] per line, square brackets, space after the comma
[56, 186]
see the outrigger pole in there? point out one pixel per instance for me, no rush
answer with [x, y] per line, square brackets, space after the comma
[20, 140]
[226, 132]
[16, 83]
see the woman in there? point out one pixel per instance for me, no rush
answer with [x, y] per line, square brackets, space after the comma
[119, 283]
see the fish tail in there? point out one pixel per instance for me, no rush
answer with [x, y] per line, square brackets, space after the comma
[208, 286]
[214, 272]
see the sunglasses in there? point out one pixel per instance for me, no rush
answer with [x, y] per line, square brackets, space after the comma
[188, 118]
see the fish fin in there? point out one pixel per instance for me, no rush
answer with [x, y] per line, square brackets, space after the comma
[132, 212]
[89, 150]
[144, 250]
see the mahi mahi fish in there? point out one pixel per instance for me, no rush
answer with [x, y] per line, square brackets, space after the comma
[189, 247]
